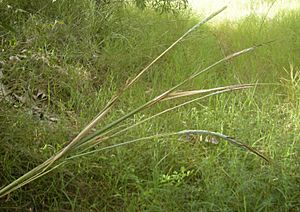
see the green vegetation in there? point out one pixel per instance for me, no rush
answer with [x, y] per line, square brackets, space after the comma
[62, 62]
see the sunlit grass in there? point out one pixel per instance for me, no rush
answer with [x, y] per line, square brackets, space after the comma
[242, 8]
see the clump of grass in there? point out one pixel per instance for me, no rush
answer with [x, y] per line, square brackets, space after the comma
[222, 178]
[85, 140]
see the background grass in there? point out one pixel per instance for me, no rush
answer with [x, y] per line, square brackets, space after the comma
[78, 53]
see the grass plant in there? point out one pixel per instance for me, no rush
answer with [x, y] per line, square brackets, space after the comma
[45, 167]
